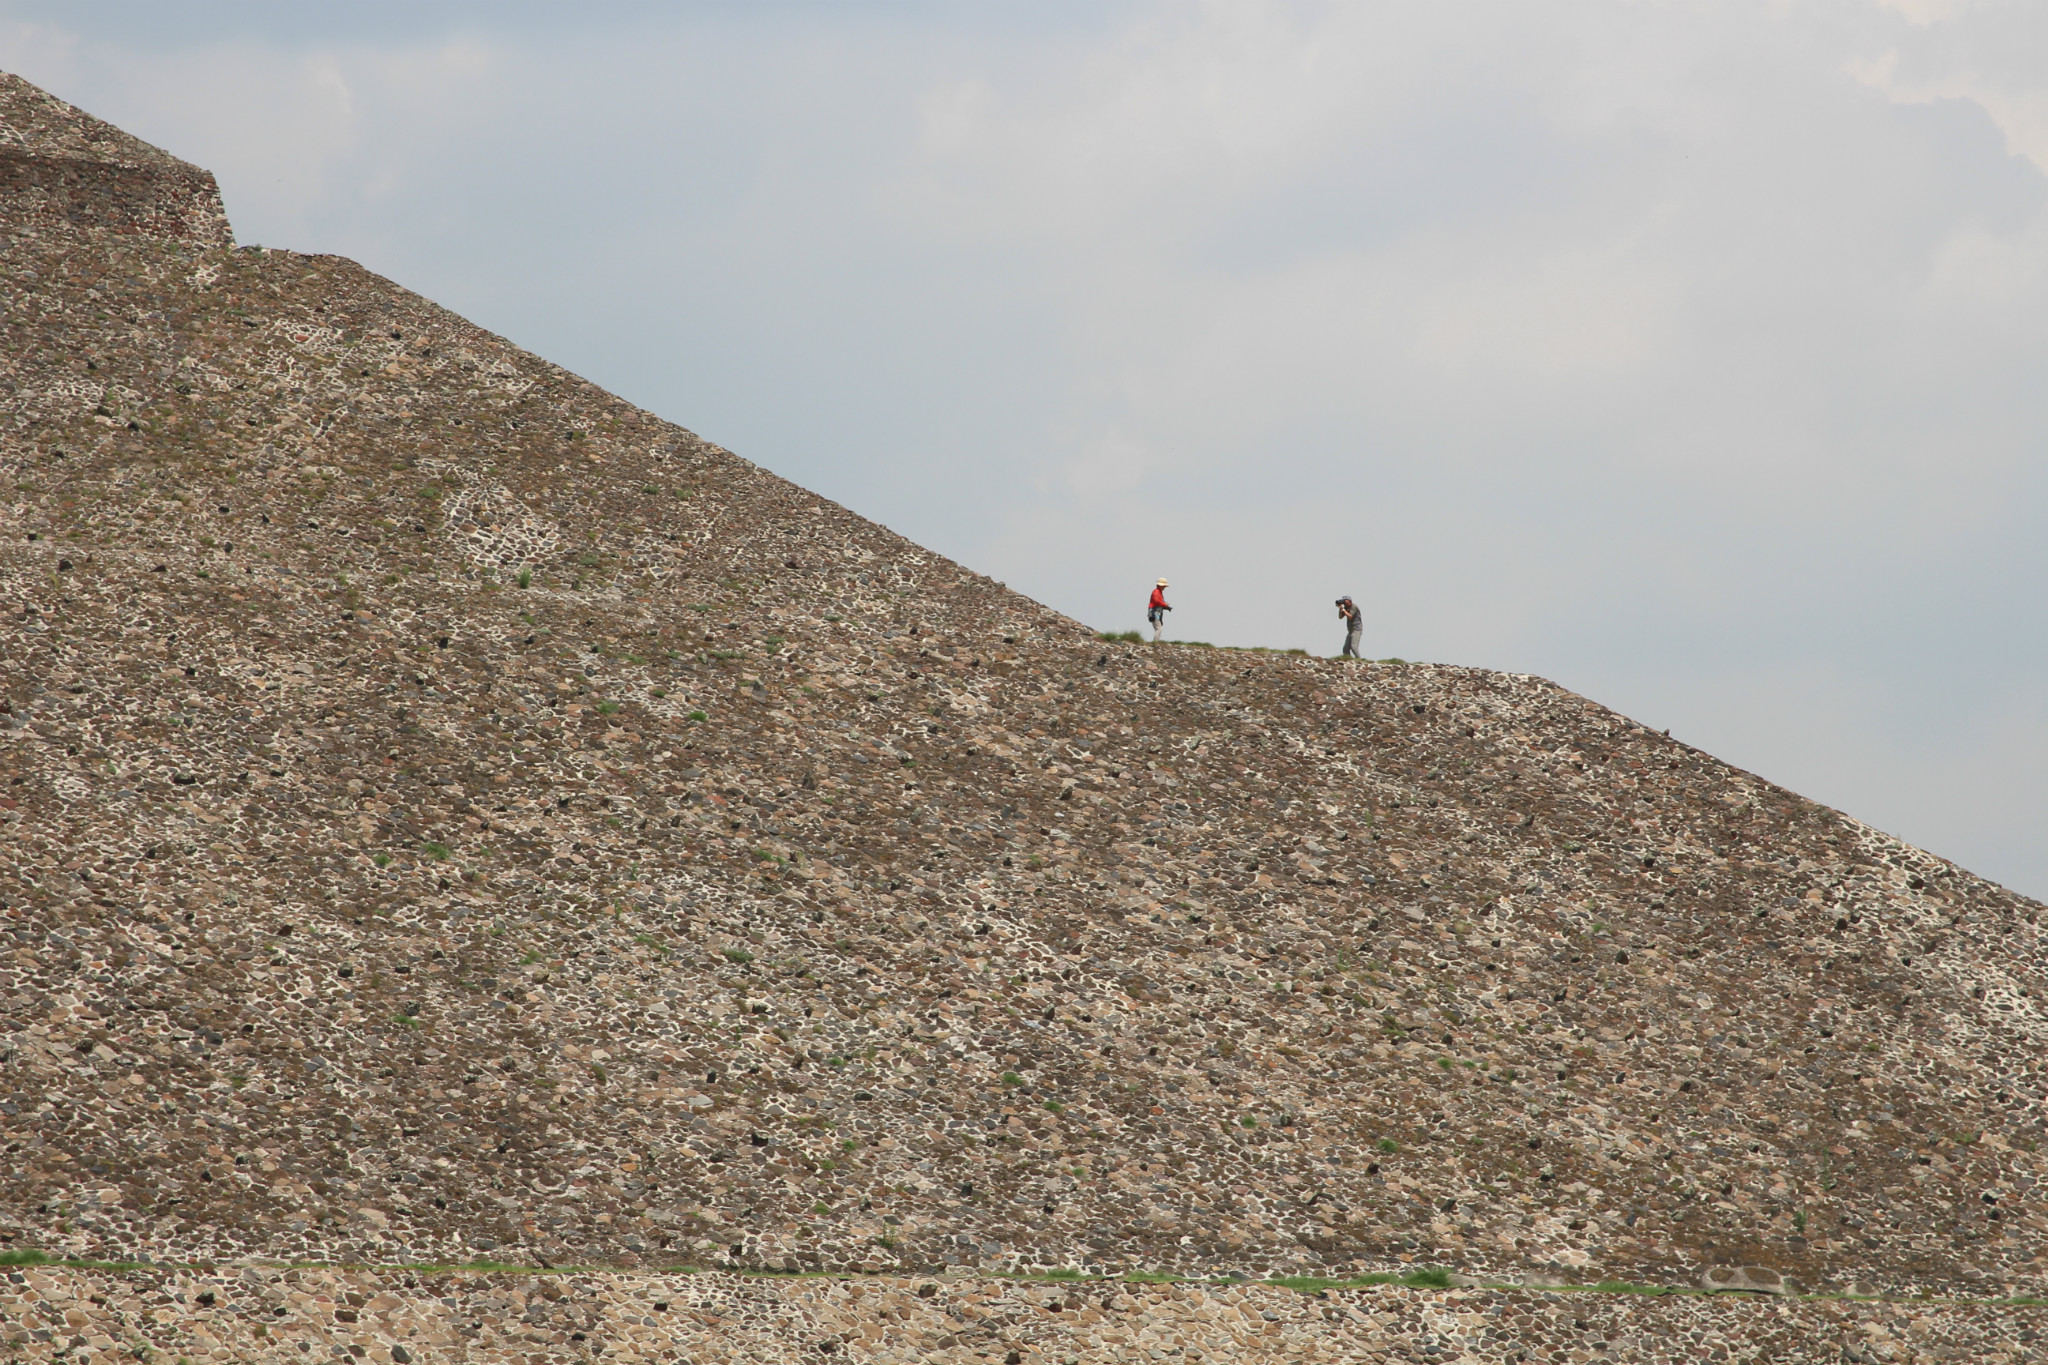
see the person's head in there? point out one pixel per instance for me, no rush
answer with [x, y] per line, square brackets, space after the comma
[1162, 582]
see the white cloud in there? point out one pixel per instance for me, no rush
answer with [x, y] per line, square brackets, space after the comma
[1991, 53]
[1927, 12]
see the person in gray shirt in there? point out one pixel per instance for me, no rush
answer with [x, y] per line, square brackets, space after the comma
[1354, 625]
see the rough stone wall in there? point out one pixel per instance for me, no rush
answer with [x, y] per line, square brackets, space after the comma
[447, 811]
[61, 170]
[421, 1318]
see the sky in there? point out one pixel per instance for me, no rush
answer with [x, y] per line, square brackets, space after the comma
[1691, 355]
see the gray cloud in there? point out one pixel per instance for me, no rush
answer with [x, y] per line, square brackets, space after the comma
[1688, 354]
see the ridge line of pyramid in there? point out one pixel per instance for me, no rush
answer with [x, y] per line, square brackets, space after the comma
[35, 122]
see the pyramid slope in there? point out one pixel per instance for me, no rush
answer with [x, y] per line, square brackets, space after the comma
[450, 812]
[33, 122]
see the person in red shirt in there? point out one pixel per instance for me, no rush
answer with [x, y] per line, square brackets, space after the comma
[1156, 612]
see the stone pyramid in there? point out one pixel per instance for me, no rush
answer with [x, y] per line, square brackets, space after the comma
[447, 813]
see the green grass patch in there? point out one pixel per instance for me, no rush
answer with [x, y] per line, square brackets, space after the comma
[24, 1256]
[1414, 1279]
[739, 955]
[1630, 1287]
[1308, 1284]
[438, 852]
[1121, 637]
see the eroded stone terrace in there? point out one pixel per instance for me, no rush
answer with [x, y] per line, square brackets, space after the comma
[448, 811]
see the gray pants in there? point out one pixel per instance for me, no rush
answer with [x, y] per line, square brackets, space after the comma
[1351, 638]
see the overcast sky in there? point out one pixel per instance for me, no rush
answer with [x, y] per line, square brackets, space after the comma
[1692, 355]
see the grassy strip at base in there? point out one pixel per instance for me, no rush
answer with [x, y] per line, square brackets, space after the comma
[27, 1256]
[1432, 1278]
[473, 1267]
[1630, 1287]
[1316, 1284]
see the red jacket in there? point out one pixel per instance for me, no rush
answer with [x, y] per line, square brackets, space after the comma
[1159, 599]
